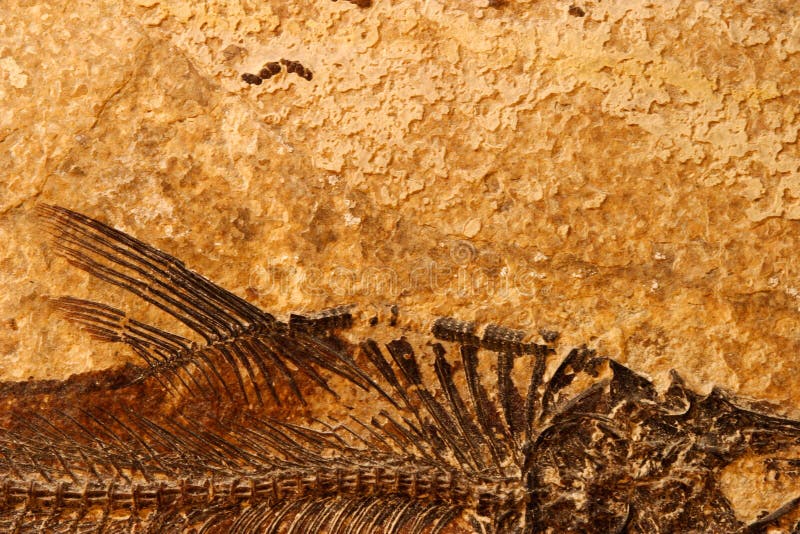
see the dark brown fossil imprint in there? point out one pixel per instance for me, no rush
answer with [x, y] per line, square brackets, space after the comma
[260, 425]
[273, 68]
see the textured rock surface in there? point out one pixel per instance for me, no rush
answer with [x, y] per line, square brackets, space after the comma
[627, 173]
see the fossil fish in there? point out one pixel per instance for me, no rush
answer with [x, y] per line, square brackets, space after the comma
[253, 424]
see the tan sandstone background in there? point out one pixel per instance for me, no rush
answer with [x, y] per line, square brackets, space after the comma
[624, 172]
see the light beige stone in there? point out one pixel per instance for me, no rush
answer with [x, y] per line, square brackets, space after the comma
[629, 178]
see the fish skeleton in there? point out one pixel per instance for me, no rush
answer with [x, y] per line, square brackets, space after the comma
[253, 424]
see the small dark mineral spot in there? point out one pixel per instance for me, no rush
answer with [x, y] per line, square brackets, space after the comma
[373, 320]
[252, 79]
[497, 3]
[576, 11]
[395, 311]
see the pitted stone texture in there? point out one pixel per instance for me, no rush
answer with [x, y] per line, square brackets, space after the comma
[629, 177]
